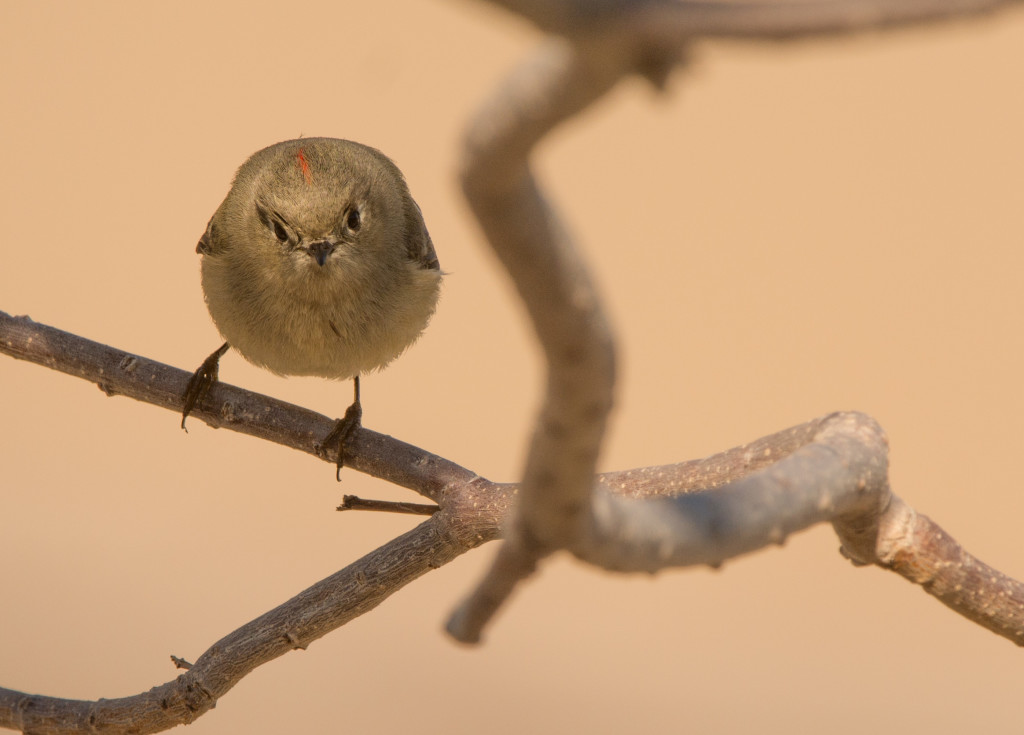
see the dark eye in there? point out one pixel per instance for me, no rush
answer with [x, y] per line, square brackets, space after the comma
[280, 232]
[354, 220]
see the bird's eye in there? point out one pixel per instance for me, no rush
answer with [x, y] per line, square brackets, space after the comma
[354, 220]
[280, 232]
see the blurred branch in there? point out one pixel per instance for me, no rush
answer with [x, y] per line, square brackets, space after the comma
[561, 301]
[696, 512]
[672, 22]
[594, 44]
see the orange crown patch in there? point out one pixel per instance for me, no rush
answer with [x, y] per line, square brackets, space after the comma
[304, 165]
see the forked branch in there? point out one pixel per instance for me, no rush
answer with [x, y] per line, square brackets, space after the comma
[696, 512]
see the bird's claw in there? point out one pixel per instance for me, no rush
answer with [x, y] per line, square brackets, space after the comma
[340, 435]
[201, 382]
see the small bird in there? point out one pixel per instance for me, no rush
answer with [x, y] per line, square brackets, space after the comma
[318, 262]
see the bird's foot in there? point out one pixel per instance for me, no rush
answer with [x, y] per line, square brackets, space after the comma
[201, 382]
[339, 436]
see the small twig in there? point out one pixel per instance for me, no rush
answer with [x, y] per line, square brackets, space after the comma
[354, 502]
[180, 663]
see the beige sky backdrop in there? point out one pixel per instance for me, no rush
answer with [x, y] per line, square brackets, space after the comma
[792, 230]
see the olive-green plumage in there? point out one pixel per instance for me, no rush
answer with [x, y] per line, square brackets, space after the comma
[318, 261]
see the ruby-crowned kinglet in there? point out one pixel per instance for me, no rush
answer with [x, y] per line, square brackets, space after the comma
[317, 263]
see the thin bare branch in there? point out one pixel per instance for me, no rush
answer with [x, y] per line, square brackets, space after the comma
[121, 373]
[918, 549]
[327, 605]
[734, 502]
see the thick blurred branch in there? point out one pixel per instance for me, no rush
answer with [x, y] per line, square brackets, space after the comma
[671, 22]
[594, 44]
[562, 303]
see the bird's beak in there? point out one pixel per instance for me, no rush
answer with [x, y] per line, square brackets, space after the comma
[319, 251]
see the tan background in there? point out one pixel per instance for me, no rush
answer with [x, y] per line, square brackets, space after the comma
[794, 230]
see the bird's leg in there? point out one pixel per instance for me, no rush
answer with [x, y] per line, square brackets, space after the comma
[201, 382]
[343, 430]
